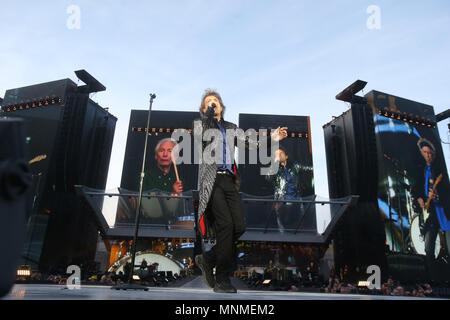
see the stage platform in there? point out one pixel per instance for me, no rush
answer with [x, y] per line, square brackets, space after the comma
[193, 290]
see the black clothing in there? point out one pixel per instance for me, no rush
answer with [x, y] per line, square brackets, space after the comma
[430, 228]
[155, 178]
[229, 224]
[443, 189]
[220, 207]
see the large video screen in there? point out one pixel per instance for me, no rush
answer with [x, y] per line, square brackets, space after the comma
[163, 177]
[413, 190]
[41, 134]
[293, 178]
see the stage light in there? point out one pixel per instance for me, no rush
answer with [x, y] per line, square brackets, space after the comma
[24, 272]
[443, 115]
[363, 284]
[349, 93]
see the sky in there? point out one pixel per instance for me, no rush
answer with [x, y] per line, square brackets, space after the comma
[273, 57]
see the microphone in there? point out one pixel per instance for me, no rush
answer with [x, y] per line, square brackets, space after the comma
[213, 107]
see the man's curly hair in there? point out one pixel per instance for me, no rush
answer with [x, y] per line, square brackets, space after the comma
[212, 92]
[426, 143]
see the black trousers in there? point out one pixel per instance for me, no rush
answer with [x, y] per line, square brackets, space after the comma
[226, 210]
[430, 242]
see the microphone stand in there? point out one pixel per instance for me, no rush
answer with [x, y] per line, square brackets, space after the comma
[130, 285]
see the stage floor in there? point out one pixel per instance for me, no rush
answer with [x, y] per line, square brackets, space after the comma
[193, 290]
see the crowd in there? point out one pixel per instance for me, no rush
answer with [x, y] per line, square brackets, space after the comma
[147, 274]
[288, 255]
[305, 278]
[310, 278]
[389, 288]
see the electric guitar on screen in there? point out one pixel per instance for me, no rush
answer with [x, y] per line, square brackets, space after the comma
[428, 203]
[38, 158]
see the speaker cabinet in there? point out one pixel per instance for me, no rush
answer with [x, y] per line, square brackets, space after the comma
[15, 199]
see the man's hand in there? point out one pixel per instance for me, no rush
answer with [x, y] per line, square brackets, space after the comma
[279, 134]
[432, 195]
[421, 203]
[177, 187]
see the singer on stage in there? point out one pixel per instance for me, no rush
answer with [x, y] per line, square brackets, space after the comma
[219, 204]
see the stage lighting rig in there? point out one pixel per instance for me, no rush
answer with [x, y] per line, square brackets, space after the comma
[443, 115]
[24, 272]
[92, 84]
[349, 93]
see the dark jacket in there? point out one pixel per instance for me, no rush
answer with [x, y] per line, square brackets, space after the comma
[442, 190]
[279, 181]
[207, 172]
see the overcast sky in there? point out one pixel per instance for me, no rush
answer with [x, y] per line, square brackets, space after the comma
[284, 57]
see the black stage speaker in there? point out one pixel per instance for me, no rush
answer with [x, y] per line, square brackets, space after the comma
[352, 155]
[69, 141]
[352, 163]
[15, 200]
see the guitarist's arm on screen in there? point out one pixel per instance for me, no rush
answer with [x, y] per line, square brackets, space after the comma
[425, 206]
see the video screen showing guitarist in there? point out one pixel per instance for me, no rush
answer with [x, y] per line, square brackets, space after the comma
[286, 185]
[431, 193]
